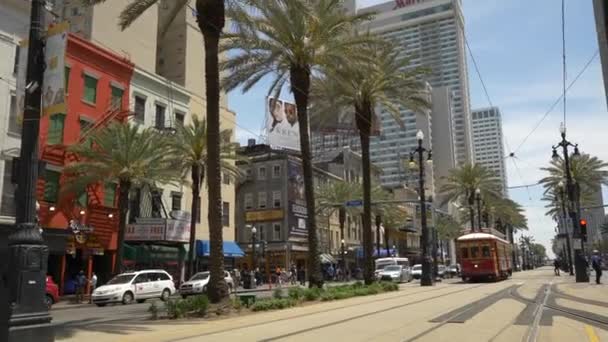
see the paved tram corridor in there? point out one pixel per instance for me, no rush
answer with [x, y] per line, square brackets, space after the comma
[532, 306]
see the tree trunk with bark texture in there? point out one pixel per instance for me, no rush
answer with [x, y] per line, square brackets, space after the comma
[363, 120]
[194, 214]
[123, 210]
[211, 22]
[300, 87]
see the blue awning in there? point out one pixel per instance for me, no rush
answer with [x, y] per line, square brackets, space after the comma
[231, 249]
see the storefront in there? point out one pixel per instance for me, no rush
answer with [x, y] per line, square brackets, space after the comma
[232, 254]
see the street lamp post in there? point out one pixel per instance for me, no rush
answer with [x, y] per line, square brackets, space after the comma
[378, 223]
[24, 315]
[342, 255]
[254, 262]
[478, 201]
[427, 262]
[565, 226]
[579, 261]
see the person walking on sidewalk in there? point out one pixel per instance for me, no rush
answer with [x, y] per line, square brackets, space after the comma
[556, 264]
[596, 263]
[81, 283]
[93, 283]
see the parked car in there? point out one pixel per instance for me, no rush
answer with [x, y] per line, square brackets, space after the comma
[398, 273]
[441, 271]
[198, 284]
[453, 271]
[417, 271]
[139, 286]
[52, 292]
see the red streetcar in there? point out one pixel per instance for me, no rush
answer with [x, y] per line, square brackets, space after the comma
[484, 256]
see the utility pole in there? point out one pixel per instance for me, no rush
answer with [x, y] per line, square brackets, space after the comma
[28, 255]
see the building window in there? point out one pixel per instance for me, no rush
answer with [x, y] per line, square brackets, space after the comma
[85, 126]
[140, 109]
[51, 186]
[180, 118]
[248, 201]
[83, 199]
[13, 126]
[16, 62]
[276, 231]
[276, 199]
[67, 79]
[160, 117]
[262, 200]
[226, 178]
[55, 134]
[176, 201]
[109, 194]
[262, 172]
[248, 173]
[156, 198]
[116, 97]
[7, 207]
[226, 214]
[276, 171]
[90, 90]
[135, 205]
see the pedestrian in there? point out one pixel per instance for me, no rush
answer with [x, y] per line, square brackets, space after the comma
[302, 276]
[237, 278]
[93, 283]
[81, 283]
[596, 263]
[292, 274]
[556, 264]
[330, 272]
[278, 274]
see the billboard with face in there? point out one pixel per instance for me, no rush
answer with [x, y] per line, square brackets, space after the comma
[298, 214]
[282, 125]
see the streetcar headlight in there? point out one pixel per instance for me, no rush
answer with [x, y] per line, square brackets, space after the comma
[476, 265]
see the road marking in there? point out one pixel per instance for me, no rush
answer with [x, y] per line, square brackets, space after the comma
[591, 334]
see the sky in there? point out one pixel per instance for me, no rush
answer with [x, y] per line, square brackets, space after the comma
[518, 47]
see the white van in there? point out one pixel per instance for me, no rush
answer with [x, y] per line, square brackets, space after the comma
[381, 263]
[141, 285]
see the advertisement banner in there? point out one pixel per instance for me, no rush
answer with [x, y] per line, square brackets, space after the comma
[282, 127]
[298, 214]
[53, 92]
[21, 78]
[177, 231]
[263, 215]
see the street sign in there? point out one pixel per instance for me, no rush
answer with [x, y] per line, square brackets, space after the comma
[354, 203]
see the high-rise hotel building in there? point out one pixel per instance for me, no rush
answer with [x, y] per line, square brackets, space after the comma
[431, 34]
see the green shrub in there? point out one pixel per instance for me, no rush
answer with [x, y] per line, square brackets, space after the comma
[236, 304]
[295, 293]
[191, 306]
[388, 286]
[198, 305]
[273, 304]
[312, 293]
[277, 294]
[153, 310]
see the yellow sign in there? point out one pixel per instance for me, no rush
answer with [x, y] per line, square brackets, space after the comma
[264, 215]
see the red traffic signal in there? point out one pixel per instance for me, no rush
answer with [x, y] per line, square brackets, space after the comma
[583, 224]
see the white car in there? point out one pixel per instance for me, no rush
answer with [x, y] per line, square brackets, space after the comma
[198, 284]
[397, 273]
[141, 285]
[417, 271]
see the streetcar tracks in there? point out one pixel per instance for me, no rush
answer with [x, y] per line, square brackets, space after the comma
[398, 296]
[532, 332]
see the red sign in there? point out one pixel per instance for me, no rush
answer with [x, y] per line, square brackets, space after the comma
[404, 3]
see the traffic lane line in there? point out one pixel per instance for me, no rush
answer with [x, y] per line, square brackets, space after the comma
[591, 333]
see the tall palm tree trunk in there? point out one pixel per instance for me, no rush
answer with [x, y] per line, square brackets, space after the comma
[195, 214]
[363, 119]
[123, 207]
[211, 23]
[388, 251]
[300, 86]
[472, 211]
[342, 218]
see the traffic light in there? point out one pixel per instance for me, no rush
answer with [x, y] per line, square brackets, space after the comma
[583, 224]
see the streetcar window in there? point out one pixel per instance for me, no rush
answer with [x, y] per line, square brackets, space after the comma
[474, 252]
[485, 251]
[464, 252]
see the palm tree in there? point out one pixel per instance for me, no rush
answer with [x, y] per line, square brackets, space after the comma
[211, 20]
[290, 39]
[462, 182]
[333, 196]
[123, 154]
[448, 229]
[393, 219]
[189, 145]
[382, 79]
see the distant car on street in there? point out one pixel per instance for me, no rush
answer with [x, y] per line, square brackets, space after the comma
[198, 284]
[452, 271]
[417, 271]
[52, 292]
[396, 273]
[441, 271]
[139, 286]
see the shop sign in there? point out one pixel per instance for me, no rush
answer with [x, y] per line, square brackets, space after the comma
[263, 215]
[177, 231]
[145, 232]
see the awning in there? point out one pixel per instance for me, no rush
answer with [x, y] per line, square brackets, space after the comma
[327, 259]
[231, 249]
